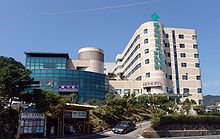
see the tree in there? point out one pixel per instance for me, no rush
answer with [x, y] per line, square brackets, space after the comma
[187, 104]
[74, 97]
[14, 78]
[109, 95]
[200, 110]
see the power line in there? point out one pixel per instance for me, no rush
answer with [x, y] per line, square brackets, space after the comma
[92, 9]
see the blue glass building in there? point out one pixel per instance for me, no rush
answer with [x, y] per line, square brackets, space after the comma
[52, 72]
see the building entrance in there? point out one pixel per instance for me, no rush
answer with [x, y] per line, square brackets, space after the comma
[147, 89]
[74, 126]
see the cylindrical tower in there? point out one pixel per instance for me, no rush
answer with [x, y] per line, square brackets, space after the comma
[95, 56]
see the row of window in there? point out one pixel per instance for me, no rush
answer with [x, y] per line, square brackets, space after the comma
[45, 60]
[132, 62]
[181, 45]
[67, 72]
[187, 91]
[132, 53]
[184, 55]
[181, 54]
[197, 65]
[195, 46]
[135, 40]
[133, 70]
[127, 91]
[45, 66]
[181, 36]
[168, 64]
[185, 77]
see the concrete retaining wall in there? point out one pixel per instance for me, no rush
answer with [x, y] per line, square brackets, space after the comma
[179, 133]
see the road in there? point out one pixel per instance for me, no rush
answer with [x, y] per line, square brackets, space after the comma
[136, 134]
[110, 135]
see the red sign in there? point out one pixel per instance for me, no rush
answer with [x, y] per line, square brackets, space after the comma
[152, 84]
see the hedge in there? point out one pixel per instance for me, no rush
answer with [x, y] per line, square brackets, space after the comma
[185, 120]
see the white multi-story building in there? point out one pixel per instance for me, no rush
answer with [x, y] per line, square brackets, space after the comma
[160, 60]
[109, 67]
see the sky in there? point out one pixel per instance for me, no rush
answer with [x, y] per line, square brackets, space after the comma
[68, 25]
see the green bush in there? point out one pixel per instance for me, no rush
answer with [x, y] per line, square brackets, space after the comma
[185, 119]
[200, 110]
[117, 102]
[8, 122]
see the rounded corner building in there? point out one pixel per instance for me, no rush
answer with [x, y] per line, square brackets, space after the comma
[160, 60]
[60, 74]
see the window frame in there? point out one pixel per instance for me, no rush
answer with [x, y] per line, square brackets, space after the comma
[181, 36]
[147, 75]
[182, 54]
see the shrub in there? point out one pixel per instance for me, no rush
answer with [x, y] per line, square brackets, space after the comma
[184, 119]
[117, 102]
[8, 122]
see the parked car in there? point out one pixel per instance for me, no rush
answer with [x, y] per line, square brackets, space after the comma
[124, 127]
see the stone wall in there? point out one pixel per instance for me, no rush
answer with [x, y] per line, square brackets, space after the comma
[179, 133]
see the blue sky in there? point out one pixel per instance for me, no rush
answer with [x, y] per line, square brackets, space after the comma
[22, 29]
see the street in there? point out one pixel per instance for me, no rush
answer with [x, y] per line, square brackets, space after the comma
[136, 134]
[110, 135]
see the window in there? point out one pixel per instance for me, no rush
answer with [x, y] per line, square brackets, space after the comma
[182, 54]
[195, 46]
[194, 37]
[168, 64]
[168, 54]
[167, 44]
[183, 65]
[169, 90]
[184, 77]
[196, 55]
[146, 51]
[198, 77]
[119, 60]
[147, 61]
[145, 41]
[148, 75]
[167, 35]
[181, 36]
[182, 45]
[127, 91]
[49, 65]
[200, 101]
[138, 78]
[145, 31]
[136, 91]
[197, 65]
[185, 91]
[169, 77]
[199, 90]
